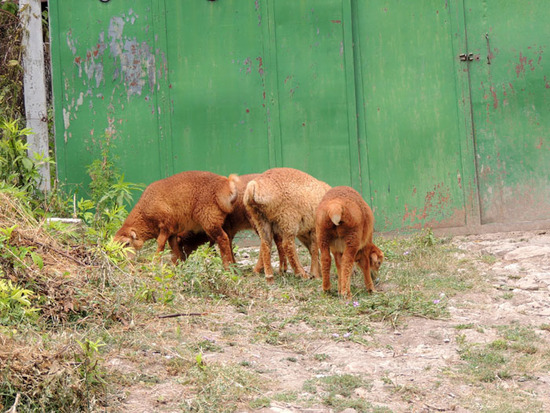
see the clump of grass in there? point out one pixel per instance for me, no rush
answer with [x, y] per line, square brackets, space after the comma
[514, 353]
[203, 274]
[219, 388]
[35, 379]
[338, 391]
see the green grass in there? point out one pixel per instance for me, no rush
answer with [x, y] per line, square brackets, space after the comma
[337, 392]
[517, 353]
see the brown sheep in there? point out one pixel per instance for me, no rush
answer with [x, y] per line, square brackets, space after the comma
[282, 201]
[188, 201]
[344, 226]
[236, 221]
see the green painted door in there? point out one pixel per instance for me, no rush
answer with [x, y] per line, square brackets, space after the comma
[109, 82]
[410, 119]
[314, 111]
[510, 83]
[217, 76]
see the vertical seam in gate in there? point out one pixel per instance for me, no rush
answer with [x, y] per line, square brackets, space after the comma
[273, 118]
[351, 99]
[476, 207]
[359, 107]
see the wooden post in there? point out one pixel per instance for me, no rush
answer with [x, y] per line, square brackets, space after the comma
[34, 85]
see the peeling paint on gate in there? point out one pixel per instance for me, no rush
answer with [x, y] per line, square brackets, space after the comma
[438, 205]
[135, 62]
[115, 59]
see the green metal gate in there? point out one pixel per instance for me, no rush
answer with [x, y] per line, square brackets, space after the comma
[510, 86]
[369, 94]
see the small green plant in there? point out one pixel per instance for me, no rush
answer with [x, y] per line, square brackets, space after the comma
[427, 238]
[109, 195]
[338, 391]
[15, 256]
[15, 304]
[220, 388]
[88, 362]
[109, 192]
[321, 357]
[203, 273]
[113, 251]
[16, 167]
[464, 326]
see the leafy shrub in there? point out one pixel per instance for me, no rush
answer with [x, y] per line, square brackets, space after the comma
[16, 167]
[15, 304]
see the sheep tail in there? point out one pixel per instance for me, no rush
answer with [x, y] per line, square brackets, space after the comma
[334, 211]
[233, 181]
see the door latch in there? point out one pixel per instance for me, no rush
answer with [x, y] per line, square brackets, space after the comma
[466, 57]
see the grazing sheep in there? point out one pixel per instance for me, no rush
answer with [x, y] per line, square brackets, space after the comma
[188, 201]
[344, 226]
[282, 201]
[236, 221]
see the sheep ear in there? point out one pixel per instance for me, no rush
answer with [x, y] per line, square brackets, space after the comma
[373, 258]
[133, 235]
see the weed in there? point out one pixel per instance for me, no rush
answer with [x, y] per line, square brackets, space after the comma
[14, 256]
[15, 304]
[16, 167]
[464, 326]
[484, 364]
[488, 259]
[219, 388]
[89, 360]
[109, 193]
[203, 274]
[513, 353]
[338, 391]
[207, 345]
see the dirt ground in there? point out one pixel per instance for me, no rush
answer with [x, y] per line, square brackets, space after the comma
[416, 358]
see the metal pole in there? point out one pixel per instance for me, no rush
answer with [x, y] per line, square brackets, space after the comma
[34, 84]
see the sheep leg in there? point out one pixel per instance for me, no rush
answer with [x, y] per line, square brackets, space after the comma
[325, 264]
[177, 253]
[266, 237]
[161, 240]
[348, 259]
[220, 237]
[280, 250]
[338, 263]
[290, 250]
[364, 264]
[314, 252]
[265, 257]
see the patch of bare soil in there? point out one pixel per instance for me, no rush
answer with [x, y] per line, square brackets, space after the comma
[410, 368]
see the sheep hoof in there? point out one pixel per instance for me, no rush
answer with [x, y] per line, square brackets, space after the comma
[258, 269]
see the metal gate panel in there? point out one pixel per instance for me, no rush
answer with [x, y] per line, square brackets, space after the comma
[510, 82]
[316, 95]
[411, 115]
[108, 77]
[217, 86]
